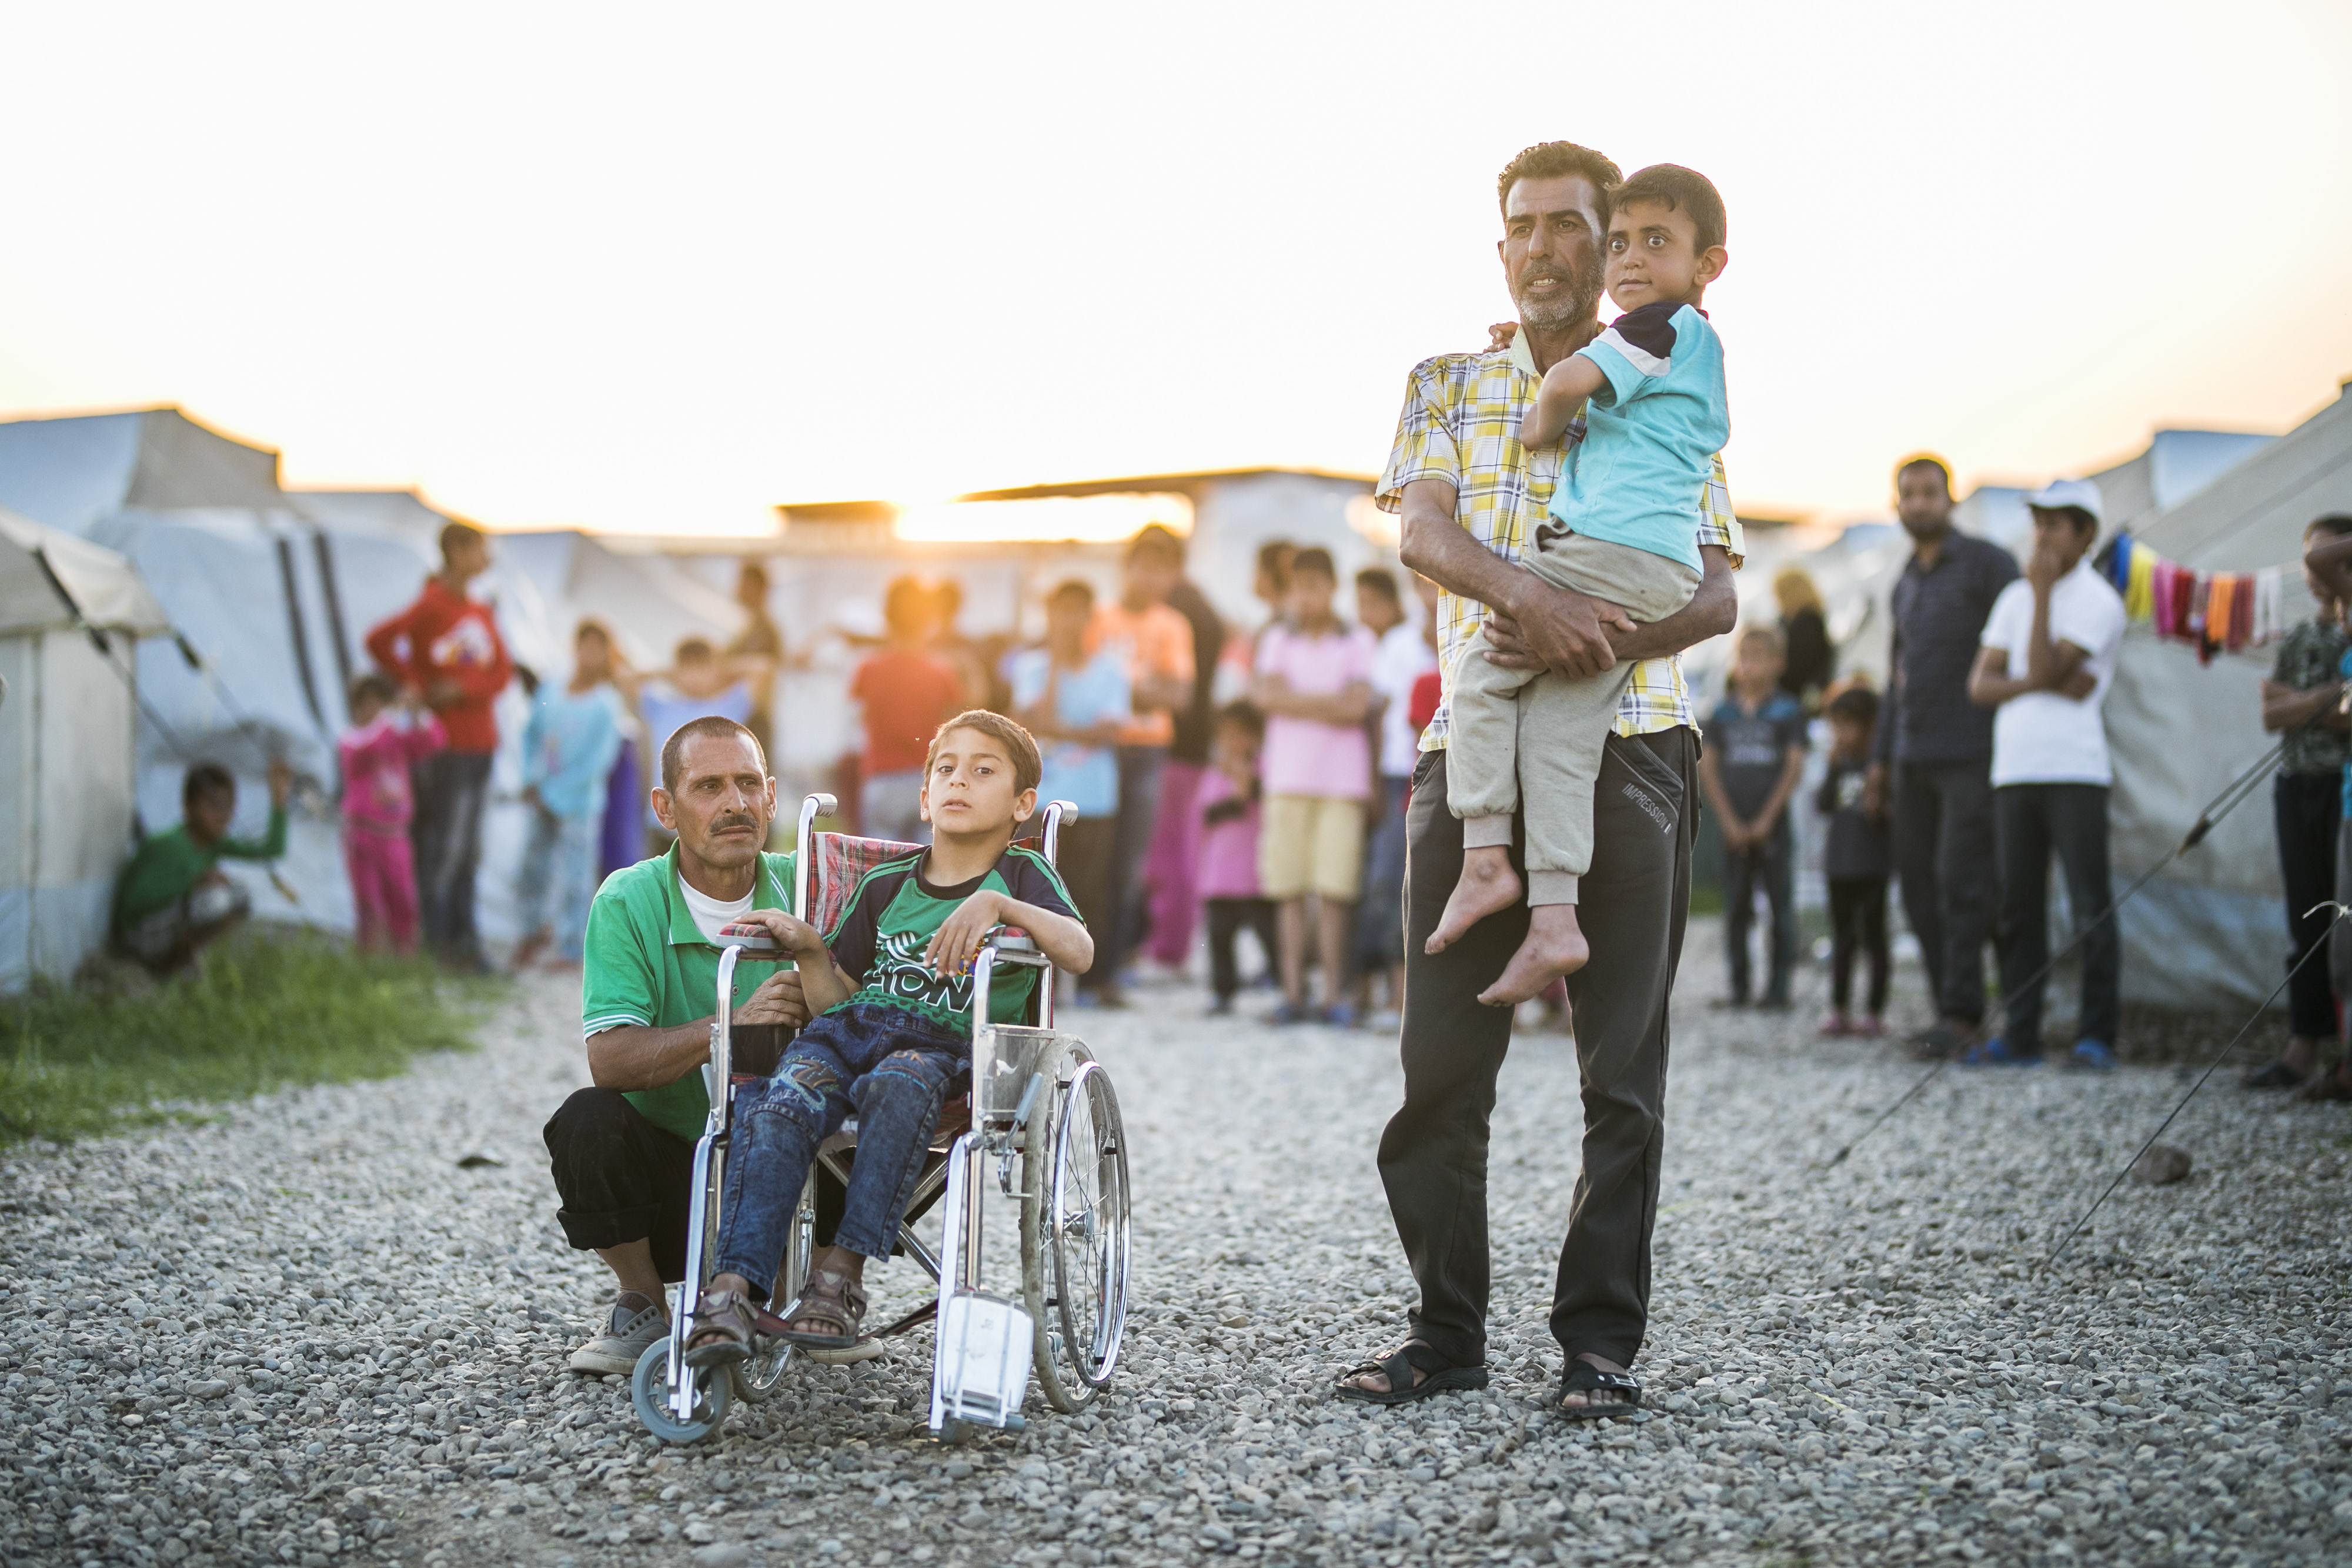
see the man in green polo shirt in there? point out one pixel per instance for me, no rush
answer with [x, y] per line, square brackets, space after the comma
[623, 1152]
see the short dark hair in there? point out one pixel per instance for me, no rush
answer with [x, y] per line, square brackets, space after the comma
[1075, 589]
[205, 779]
[1246, 714]
[2335, 524]
[590, 627]
[673, 756]
[456, 534]
[1856, 705]
[1314, 558]
[1156, 539]
[1273, 558]
[1551, 161]
[753, 571]
[371, 687]
[1925, 460]
[1380, 581]
[694, 650]
[1677, 188]
[1028, 766]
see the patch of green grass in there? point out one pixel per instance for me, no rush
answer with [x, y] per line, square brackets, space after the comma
[268, 1006]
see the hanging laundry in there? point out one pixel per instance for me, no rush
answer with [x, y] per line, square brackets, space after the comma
[2139, 584]
[2270, 606]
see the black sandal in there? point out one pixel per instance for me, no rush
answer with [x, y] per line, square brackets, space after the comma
[1399, 1366]
[827, 1298]
[2277, 1075]
[1583, 1377]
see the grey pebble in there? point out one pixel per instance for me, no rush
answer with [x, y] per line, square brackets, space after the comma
[330, 1332]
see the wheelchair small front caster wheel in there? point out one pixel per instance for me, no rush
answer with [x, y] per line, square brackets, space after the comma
[649, 1392]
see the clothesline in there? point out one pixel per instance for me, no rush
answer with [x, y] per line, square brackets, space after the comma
[2213, 611]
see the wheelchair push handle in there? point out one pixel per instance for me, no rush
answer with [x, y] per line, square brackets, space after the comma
[756, 940]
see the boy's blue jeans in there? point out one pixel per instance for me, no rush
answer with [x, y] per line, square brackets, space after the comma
[895, 1070]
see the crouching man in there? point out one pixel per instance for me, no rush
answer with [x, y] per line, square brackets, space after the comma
[894, 982]
[623, 1151]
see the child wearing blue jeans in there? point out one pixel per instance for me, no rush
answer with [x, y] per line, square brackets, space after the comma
[892, 986]
[1623, 530]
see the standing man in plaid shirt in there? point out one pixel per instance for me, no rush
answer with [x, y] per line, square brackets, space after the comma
[1470, 496]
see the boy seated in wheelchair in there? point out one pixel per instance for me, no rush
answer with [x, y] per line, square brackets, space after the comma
[892, 1039]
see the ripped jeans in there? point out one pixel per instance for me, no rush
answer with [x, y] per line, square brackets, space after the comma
[892, 1068]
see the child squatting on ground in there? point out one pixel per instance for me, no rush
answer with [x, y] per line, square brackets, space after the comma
[892, 987]
[1621, 531]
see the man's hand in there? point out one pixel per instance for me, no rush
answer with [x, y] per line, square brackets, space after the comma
[957, 941]
[442, 692]
[804, 942]
[1873, 790]
[1500, 336]
[281, 782]
[1562, 632]
[2079, 685]
[779, 999]
[2041, 569]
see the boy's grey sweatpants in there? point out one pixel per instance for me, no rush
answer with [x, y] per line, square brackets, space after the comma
[1534, 736]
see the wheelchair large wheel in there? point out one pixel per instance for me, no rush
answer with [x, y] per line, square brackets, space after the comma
[757, 1377]
[649, 1392]
[1075, 1240]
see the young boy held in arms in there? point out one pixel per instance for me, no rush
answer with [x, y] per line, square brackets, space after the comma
[1620, 532]
[892, 987]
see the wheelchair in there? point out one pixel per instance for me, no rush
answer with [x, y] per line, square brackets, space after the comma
[1040, 1107]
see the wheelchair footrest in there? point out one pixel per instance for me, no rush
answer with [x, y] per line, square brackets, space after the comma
[985, 1348]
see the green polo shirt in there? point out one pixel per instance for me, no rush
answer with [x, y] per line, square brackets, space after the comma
[649, 964]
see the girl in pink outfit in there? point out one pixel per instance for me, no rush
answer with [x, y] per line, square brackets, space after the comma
[375, 754]
[1228, 807]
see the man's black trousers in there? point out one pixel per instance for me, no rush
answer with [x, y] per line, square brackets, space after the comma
[1944, 853]
[2307, 807]
[2034, 821]
[1433, 1156]
[622, 1179]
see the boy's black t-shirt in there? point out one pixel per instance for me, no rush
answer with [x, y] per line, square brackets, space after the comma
[1857, 847]
[1754, 748]
[894, 912]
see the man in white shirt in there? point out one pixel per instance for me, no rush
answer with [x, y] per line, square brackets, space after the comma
[1402, 654]
[2059, 622]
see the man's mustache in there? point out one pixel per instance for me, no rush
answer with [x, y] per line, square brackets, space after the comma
[737, 820]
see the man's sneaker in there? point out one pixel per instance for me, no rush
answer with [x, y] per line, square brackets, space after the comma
[636, 1323]
[1998, 1052]
[2091, 1056]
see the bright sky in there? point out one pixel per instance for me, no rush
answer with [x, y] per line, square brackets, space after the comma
[624, 268]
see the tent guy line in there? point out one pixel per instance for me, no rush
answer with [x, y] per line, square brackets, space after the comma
[2222, 805]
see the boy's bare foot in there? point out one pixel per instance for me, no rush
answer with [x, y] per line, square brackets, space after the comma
[1487, 885]
[1555, 947]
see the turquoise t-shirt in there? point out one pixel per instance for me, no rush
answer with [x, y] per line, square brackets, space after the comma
[1651, 433]
[1085, 776]
[891, 919]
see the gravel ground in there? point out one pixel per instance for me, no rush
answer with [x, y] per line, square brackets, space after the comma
[306, 1331]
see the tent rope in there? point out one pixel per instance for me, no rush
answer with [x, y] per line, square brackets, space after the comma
[2222, 805]
[2343, 914]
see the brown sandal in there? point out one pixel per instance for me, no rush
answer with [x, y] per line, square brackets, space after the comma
[2334, 1084]
[723, 1325]
[827, 1298]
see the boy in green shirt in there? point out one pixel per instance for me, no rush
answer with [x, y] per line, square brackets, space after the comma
[893, 986]
[171, 898]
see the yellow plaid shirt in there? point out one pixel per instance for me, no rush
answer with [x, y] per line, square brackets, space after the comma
[1461, 424]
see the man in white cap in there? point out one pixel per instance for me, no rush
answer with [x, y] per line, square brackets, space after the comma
[2044, 663]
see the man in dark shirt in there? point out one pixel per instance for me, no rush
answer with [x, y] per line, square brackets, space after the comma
[1933, 751]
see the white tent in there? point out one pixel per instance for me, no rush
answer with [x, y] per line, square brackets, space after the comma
[71, 612]
[2211, 930]
[270, 603]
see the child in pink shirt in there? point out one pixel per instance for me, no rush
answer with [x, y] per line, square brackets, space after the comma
[1228, 803]
[375, 754]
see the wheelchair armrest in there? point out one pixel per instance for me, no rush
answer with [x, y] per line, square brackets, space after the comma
[1011, 939]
